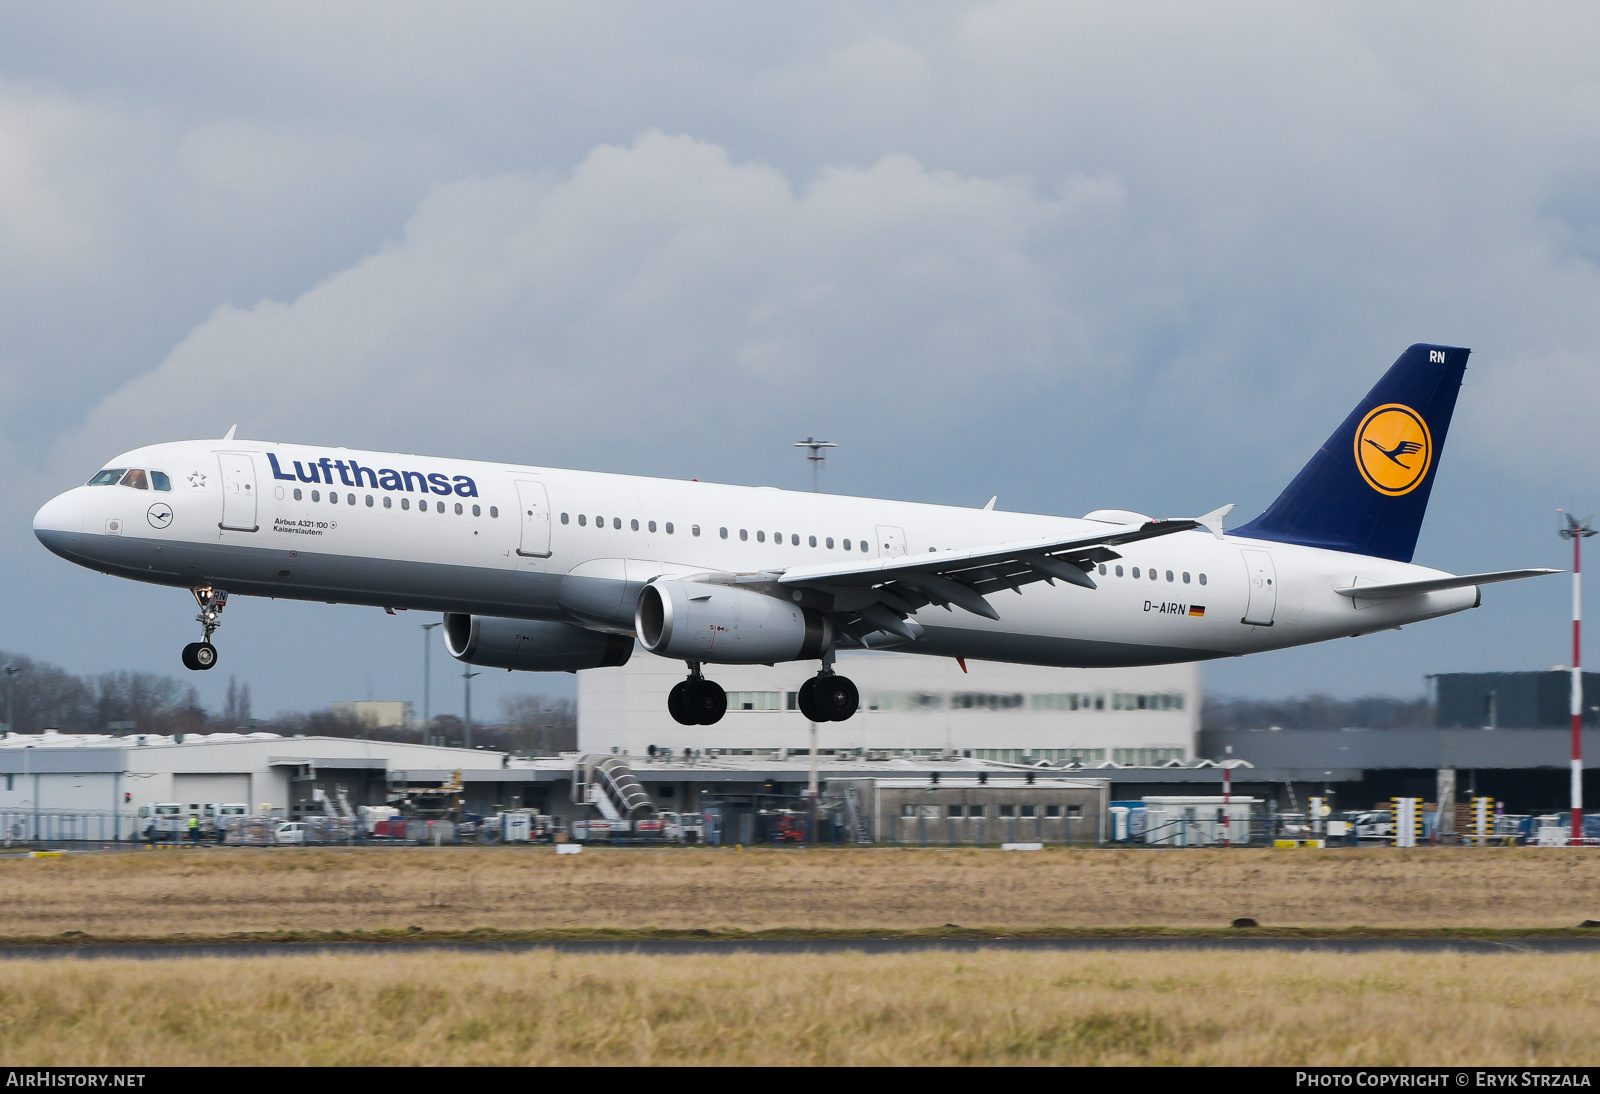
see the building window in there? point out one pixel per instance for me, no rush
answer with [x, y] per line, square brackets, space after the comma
[1052, 812]
[1074, 811]
[952, 811]
[793, 701]
[1008, 810]
[1145, 757]
[908, 810]
[1029, 811]
[974, 810]
[753, 700]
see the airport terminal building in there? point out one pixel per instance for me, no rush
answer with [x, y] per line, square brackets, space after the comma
[910, 705]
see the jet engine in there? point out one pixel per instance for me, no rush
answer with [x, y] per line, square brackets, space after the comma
[720, 624]
[532, 645]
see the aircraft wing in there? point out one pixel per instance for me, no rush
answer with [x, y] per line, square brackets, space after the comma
[1435, 585]
[879, 594]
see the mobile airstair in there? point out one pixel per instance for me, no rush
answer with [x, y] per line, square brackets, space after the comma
[607, 783]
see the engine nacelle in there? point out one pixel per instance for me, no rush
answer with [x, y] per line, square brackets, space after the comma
[532, 645]
[720, 624]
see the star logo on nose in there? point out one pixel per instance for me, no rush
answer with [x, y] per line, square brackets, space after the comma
[196, 479]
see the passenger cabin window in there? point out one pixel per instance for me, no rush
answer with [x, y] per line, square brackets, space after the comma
[695, 530]
[582, 520]
[1202, 579]
[616, 523]
[369, 501]
[744, 534]
[761, 537]
[794, 539]
[723, 532]
[830, 543]
[350, 499]
[634, 525]
[458, 508]
[652, 526]
[1186, 577]
[137, 479]
[297, 494]
[846, 545]
[159, 480]
[405, 503]
[563, 518]
[1135, 571]
[1169, 575]
[813, 540]
[333, 497]
[477, 511]
[494, 511]
[1152, 575]
[1102, 569]
[669, 527]
[388, 502]
[316, 495]
[109, 477]
[1119, 571]
[422, 504]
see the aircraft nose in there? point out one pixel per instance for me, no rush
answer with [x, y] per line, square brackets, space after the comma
[59, 522]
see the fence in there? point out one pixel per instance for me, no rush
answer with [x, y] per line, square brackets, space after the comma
[57, 826]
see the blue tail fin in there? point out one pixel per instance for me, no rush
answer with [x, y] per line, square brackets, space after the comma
[1366, 489]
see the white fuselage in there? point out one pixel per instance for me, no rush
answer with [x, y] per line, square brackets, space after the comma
[482, 546]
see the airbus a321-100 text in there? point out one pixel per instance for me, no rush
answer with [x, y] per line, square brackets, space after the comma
[543, 569]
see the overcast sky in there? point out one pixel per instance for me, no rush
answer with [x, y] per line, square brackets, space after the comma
[1141, 256]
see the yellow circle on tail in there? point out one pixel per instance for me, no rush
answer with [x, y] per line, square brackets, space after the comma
[1393, 449]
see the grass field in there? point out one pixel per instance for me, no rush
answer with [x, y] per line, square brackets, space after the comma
[927, 1008]
[221, 891]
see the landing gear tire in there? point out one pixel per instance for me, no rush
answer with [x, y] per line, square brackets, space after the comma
[808, 701]
[707, 702]
[678, 704]
[836, 697]
[199, 656]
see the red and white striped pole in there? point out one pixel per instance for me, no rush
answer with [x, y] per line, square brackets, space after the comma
[1227, 800]
[1577, 531]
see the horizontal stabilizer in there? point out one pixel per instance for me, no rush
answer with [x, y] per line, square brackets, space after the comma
[1436, 585]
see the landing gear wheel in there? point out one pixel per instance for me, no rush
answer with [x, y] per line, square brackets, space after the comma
[189, 661]
[707, 701]
[205, 655]
[808, 701]
[836, 697]
[678, 704]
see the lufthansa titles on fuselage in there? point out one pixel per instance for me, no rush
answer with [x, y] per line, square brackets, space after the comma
[352, 473]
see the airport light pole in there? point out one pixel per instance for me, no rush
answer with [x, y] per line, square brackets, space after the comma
[11, 697]
[427, 681]
[817, 458]
[1577, 531]
[466, 730]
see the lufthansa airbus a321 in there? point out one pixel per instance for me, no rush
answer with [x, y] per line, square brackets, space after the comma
[543, 569]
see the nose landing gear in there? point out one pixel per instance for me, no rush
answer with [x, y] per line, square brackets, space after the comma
[697, 701]
[202, 654]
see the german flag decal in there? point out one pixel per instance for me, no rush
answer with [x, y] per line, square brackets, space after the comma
[1197, 609]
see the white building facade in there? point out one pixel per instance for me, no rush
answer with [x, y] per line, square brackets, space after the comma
[909, 704]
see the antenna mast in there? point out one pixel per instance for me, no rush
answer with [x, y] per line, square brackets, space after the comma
[818, 457]
[1577, 531]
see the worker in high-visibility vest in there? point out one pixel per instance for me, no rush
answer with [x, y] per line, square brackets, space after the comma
[194, 829]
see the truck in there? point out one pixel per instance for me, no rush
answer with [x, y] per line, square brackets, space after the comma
[162, 822]
[683, 827]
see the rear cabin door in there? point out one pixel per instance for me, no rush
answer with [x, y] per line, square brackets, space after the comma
[238, 491]
[891, 541]
[534, 516]
[1263, 588]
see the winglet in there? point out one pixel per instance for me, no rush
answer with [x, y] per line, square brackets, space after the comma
[1212, 521]
[228, 436]
[992, 500]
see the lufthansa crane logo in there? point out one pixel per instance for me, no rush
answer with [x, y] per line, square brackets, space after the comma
[1393, 449]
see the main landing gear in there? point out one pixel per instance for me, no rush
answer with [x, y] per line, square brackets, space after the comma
[828, 697]
[202, 654]
[697, 701]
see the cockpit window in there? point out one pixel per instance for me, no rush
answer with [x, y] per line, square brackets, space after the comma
[109, 477]
[160, 481]
[137, 479]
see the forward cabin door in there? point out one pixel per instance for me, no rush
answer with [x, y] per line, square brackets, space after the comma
[891, 541]
[534, 516]
[238, 492]
[1263, 588]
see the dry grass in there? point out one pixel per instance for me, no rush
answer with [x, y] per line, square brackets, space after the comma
[927, 1008]
[218, 891]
